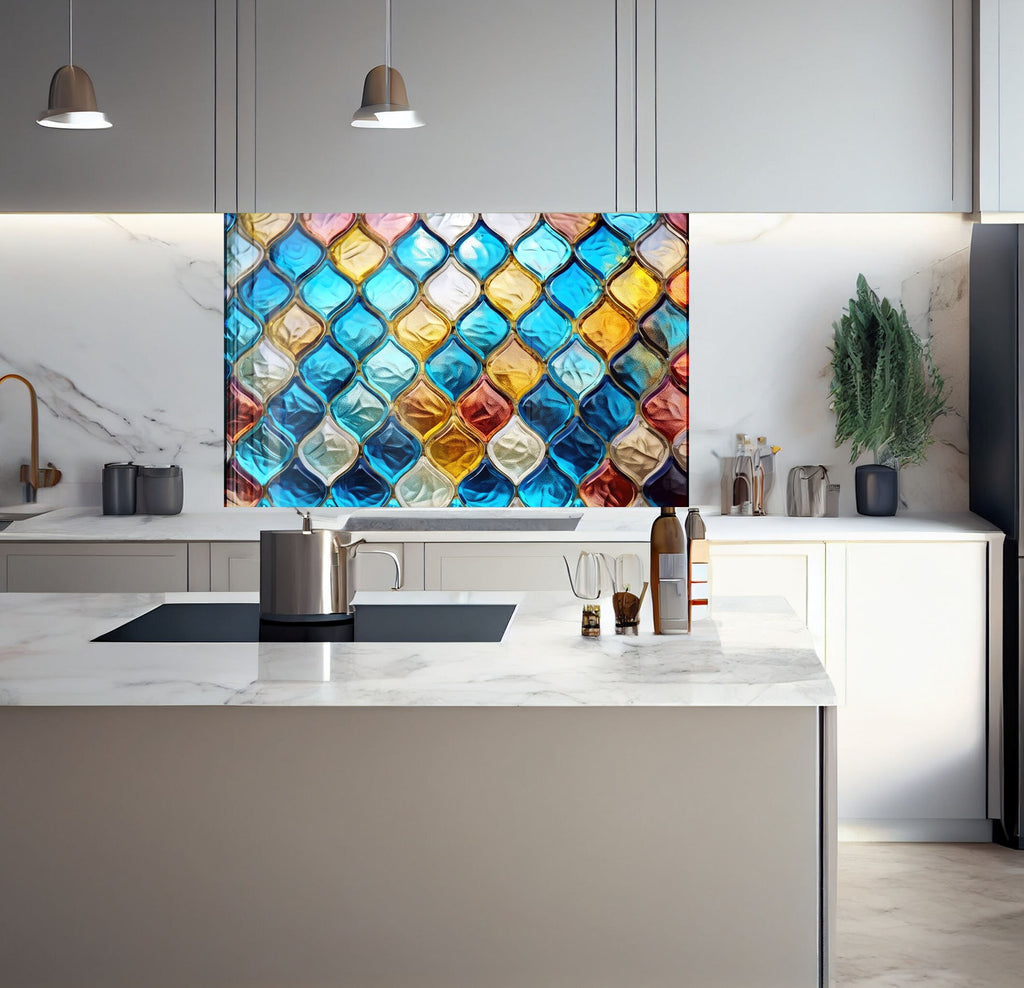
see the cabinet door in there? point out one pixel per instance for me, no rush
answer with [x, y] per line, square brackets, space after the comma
[911, 736]
[153, 69]
[799, 105]
[236, 566]
[518, 100]
[97, 567]
[794, 571]
[512, 565]
[1001, 105]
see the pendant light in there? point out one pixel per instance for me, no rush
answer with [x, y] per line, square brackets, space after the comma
[72, 104]
[385, 103]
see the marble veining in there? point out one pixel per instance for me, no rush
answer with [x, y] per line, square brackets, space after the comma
[750, 654]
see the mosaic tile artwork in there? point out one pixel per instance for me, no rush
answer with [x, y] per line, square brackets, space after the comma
[476, 359]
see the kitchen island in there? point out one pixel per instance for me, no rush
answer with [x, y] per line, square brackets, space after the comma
[547, 810]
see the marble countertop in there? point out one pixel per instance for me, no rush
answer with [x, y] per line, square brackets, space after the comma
[594, 525]
[751, 652]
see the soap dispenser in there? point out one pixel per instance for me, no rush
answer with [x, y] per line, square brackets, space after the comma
[668, 574]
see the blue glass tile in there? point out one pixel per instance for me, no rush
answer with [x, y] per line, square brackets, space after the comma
[667, 328]
[453, 368]
[420, 252]
[574, 289]
[296, 410]
[486, 487]
[577, 450]
[638, 368]
[295, 253]
[483, 327]
[547, 487]
[603, 251]
[607, 410]
[240, 330]
[390, 369]
[544, 329]
[668, 487]
[296, 487]
[360, 487]
[480, 251]
[263, 451]
[327, 369]
[359, 410]
[576, 368]
[229, 221]
[263, 291]
[545, 409]
[392, 450]
[631, 224]
[326, 290]
[358, 330]
[542, 251]
[389, 289]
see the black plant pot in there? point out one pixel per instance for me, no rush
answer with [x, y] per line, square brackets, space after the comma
[878, 489]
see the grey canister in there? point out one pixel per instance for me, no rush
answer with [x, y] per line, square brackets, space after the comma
[119, 488]
[161, 490]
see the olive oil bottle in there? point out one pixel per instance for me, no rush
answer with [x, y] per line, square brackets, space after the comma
[668, 574]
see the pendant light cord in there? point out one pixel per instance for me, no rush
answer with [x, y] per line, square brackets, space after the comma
[71, 32]
[387, 52]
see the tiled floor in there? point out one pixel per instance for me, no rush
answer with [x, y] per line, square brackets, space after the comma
[942, 915]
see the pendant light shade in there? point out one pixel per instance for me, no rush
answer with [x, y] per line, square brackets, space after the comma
[385, 105]
[385, 102]
[72, 103]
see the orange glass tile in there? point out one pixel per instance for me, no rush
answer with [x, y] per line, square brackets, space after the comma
[455, 450]
[512, 290]
[607, 329]
[513, 368]
[634, 289]
[326, 226]
[679, 288]
[422, 408]
[607, 488]
[484, 409]
[572, 226]
[241, 490]
[389, 226]
[295, 330]
[421, 330]
[666, 410]
[681, 369]
[243, 411]
[356, 255]
[261, 228]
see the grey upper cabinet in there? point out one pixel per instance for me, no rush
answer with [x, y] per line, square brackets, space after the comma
[519, 101]
[800, 105]
[153, 69]
[999, 107]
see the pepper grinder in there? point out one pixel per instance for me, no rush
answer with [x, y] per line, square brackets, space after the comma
[668, 574]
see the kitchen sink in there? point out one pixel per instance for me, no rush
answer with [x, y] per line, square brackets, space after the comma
[240, 622]
[454, 520]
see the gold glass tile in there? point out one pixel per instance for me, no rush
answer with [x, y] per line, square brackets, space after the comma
[512, 290]
[514, 369]
[261, 228]
[607, 329]
[455, 450]
[356, 255]
[421, 330]
[295, 329]
[422, 408]
[634, 289]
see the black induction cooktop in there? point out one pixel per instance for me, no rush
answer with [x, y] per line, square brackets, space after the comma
[235, 622]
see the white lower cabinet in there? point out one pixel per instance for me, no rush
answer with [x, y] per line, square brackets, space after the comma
[513, 565]
[236, 566]
[94, 567]
[912, 733]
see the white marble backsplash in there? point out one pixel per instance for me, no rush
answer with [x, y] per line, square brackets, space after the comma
[117, 320]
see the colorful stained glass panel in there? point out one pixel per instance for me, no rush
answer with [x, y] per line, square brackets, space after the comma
[477, 359]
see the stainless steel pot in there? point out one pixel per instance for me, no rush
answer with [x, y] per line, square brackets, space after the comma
[307, 573]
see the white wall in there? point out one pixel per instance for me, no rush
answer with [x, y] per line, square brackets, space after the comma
[117, 321]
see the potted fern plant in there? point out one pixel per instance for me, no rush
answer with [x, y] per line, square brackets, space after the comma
[886, 393]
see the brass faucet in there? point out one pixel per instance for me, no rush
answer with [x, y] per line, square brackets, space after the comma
[30, 476]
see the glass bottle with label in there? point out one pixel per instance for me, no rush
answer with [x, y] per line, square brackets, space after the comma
[668, 574]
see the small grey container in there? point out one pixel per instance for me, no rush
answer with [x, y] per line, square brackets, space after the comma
[119, 481]
[161, 490]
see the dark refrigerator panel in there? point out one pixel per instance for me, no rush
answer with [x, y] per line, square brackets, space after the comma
[994, 421]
